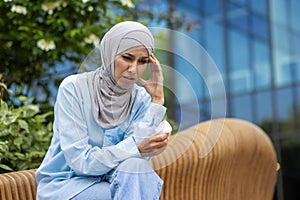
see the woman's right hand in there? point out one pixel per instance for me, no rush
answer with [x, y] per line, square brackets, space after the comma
[153, 145]
[154, 85]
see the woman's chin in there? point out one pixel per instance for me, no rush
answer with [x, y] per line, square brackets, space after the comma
[126, 85]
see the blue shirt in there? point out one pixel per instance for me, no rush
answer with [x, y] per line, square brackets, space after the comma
[81, 151]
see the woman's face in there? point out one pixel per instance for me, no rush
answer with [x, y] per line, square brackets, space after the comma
[130, 66]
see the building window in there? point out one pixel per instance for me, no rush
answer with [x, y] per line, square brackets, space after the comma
[242, 107]
[240, 75]
[261, 65]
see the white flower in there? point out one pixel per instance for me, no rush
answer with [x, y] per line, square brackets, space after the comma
[19, 9]
[85, 1]
[51, 6]
[7, 1]
[127, 3]
[45, 45]
[90, 8]
[82, 12]
[92, 39]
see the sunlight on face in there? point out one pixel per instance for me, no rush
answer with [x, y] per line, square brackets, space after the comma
[130, 66]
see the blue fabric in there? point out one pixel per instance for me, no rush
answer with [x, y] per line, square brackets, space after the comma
[98, 191]
[81, 152]
[133, 179]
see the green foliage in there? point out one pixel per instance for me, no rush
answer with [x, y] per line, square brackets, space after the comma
[38, 36]
[25, 134]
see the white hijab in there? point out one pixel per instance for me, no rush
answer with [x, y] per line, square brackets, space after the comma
[111, 104]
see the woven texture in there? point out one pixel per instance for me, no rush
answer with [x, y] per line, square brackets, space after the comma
[241, 165]
[18, 185]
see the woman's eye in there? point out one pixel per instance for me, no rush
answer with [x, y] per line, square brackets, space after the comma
[143, 61]
[126, 57]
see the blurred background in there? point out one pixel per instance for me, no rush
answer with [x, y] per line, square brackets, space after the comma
[254, 45]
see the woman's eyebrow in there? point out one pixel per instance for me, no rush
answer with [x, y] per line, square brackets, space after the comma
[130, 55]
[133, 56]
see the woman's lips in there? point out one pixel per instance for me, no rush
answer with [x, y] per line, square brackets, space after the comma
[129, 78]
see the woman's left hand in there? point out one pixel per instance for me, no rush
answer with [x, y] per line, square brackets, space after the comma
[154, 85]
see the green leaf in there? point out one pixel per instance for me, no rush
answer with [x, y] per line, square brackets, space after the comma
[30, 111]
[3, 106]
[3, 85]
[5, 167]
[49, 127]
[9, 120]
[42, 118]
[35, 154]
[14, 129]
[74, 32]
[24, 125]
[24, 28]
[18, 141]
[22, 98]
[4, 133]
[19, 156]
[3, 146]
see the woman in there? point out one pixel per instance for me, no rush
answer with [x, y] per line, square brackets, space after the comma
[106, 127]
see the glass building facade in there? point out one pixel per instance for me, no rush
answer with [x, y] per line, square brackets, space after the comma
[255, 45]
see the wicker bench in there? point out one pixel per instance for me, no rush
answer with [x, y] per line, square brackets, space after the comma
[241, 165]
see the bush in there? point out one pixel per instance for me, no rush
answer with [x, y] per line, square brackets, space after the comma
[25, 133]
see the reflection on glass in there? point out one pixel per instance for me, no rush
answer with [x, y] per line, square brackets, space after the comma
[263, 110]
[259, 27]
[189, 81]
[283, 73]
[280, 38]
[240, 75]
[191, 4]
[205, 110]
[278, 11]
[242, 107]
[212, 7]
[215, 43]
[240, 2]
[296, 44]
[219, 107]
[261, 65]
[296, 57]
[295, 15]
[297, 107]
[285, 109]
[259, 6]
[237, 17]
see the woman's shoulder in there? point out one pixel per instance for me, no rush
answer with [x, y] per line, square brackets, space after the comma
[74, 80]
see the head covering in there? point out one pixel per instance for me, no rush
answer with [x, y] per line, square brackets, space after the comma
[111, 104]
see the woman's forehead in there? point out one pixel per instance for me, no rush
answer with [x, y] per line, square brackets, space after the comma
[139, 50]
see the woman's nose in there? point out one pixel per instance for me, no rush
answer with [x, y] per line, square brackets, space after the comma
[132, 68]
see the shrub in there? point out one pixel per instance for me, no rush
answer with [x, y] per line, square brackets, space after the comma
[25, 133]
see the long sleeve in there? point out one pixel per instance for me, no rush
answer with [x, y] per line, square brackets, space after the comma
[73, 131]
[146, 118]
